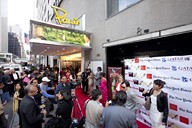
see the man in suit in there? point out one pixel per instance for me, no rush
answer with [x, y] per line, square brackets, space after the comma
[84, 79]
[31, 114]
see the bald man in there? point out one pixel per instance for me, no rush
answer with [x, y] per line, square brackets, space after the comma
[31, 114]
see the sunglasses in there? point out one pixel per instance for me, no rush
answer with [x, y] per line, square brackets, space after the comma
[123, 87]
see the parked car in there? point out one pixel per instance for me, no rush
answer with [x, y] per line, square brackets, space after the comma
[8, 66]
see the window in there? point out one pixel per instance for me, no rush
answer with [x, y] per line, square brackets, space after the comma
[115, 6]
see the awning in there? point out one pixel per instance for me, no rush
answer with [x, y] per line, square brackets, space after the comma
[56, 40]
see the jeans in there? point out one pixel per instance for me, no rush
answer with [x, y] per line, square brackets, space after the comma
[5, 97]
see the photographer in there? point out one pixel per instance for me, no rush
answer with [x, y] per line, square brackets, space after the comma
[66, 86]
[65, 105]
[63, 85]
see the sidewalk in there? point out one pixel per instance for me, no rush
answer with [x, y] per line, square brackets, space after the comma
[14, 121]
[8, 111]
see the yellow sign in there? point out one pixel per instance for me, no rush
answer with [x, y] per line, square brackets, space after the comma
[63, 19]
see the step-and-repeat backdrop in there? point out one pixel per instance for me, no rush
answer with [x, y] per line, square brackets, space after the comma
[176, 71]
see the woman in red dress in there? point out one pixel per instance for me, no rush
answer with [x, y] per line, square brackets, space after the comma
[103, 88]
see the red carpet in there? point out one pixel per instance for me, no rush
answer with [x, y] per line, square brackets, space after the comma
[79, 103]
[79, 106]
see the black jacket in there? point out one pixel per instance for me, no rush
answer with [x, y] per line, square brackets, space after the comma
[64, 110]
[162, 104]
[30, 113]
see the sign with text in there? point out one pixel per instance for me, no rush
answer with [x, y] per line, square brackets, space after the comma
[176, 71]
[63, 19]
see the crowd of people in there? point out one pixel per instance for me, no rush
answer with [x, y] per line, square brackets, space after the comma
[35, 92]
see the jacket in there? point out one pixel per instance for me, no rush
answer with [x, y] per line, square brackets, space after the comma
[162, 104]
[30, 113]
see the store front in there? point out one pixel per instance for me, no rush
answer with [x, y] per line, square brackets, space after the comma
[146, 58]
[171, 42]
[69, 45]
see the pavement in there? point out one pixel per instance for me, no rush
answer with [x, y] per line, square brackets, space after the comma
[13, 118]
[8, 111]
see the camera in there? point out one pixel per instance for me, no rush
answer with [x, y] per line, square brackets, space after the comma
[74, 84]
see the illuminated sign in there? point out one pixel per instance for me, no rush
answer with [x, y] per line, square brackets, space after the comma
[63, 19]
[61, 35]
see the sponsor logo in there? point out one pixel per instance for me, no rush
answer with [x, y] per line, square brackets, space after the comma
[186, 79]
[159, 68]
[130, 74]
[163, 59]
[185, 110]
[136, 60]
[149, 76]
[165, 77]
[178, 89]
[184, 120]
[177, 59]
[174, 68]
[149, 60]
[187, 68]
[143, 67]
[173, 106]
[141, 89]
[136, 82]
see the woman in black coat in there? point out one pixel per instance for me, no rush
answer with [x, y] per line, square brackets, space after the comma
[65, 105]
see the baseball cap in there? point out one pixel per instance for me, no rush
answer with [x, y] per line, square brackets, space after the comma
[45, 79]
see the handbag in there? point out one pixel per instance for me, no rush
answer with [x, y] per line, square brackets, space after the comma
[26, 80]
[147, 104]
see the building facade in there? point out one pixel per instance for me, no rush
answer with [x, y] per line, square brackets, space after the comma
[14, 44]
[17, 32]
[126, 29]
[3, 26]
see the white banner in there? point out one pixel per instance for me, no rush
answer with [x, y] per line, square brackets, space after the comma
[176, 71]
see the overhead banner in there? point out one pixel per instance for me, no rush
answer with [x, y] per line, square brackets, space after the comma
[176, 71]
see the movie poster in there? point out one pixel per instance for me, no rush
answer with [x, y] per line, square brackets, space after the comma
[113, 72]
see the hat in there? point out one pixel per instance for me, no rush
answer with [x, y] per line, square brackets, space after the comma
[45, 79]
